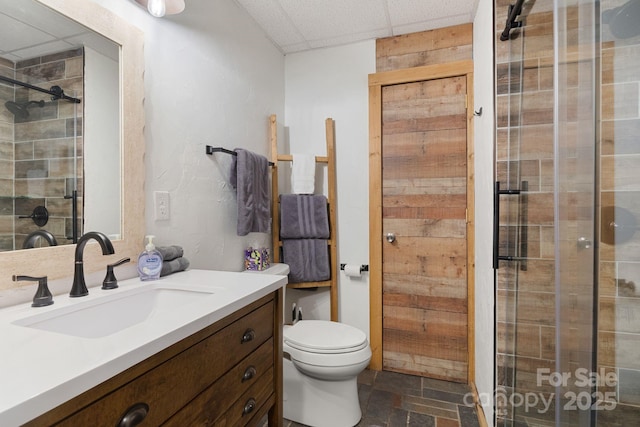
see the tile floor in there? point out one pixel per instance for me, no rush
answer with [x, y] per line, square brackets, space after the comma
[389, 399]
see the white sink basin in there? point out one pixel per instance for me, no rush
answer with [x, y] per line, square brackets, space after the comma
[106, 315]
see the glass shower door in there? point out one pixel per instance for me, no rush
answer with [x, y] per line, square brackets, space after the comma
[525, 162]
[575, 181]
[568, 303]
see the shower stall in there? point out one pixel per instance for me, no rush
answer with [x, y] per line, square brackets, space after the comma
[41, 150]
[567, 205]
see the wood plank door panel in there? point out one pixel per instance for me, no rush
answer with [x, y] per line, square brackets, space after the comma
[424, 203]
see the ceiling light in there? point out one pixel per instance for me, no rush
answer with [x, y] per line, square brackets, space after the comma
[159, 8]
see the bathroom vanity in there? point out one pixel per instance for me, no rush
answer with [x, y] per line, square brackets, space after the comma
[206, 350]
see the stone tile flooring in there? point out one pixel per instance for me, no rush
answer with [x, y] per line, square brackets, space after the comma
[390, 399]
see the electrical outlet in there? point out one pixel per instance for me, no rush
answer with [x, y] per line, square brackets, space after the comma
[161, 205]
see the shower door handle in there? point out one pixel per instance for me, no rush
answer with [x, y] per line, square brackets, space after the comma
[522, 229]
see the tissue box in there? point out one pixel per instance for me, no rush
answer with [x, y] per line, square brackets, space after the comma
[256, 259]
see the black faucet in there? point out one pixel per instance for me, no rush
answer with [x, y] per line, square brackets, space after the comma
[110, 281]
[43, 296]
[79, 288]
[31, 239]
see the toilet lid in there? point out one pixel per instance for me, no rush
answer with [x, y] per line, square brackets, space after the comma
[323, 336]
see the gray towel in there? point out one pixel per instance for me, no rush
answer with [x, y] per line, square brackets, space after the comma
[250, 177]
[173, 266]
[308, 259]
[303, 217]
[170, 252]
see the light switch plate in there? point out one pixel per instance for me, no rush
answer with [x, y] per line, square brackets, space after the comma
[161, 205]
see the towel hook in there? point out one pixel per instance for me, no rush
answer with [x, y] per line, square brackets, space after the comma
[478, 112]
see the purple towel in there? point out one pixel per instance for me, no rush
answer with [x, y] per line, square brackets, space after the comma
[250, 177]
[303, 217]
[308, 260]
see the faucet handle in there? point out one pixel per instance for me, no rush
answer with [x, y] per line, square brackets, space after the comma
[110, 281]
[43, 296]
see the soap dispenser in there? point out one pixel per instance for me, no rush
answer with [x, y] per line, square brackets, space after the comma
[149, 262]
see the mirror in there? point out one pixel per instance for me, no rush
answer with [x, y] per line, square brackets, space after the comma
[123, 201]
[59, 114]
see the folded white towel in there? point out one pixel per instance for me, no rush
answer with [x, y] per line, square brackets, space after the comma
[303, 173]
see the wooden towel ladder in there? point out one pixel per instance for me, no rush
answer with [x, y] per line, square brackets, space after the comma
[330, 160]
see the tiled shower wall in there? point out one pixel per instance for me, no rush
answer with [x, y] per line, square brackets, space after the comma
[619, 290]
[524, 152]
[44, 150]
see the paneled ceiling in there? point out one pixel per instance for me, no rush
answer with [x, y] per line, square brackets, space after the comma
[30, 29]
[292, 25]
[297, 25]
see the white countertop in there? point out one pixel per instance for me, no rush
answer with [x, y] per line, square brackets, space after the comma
[40, 370]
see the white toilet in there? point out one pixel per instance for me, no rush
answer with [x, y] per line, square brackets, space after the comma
[321, 377]
[321, 366]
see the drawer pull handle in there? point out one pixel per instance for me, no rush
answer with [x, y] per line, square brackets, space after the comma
[249, 373]
[134, 415]
[249, 407]
[249, 335]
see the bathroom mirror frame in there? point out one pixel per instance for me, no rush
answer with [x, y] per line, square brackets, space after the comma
[58, 262]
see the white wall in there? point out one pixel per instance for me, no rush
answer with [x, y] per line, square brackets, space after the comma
[325, 83]
[483, 34]
[211, 78]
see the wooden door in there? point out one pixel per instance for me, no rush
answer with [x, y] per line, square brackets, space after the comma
[424, 203]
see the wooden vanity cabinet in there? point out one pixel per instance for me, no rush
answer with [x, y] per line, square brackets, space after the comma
[228, 374]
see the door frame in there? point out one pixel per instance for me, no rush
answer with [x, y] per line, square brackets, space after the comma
[376, 82]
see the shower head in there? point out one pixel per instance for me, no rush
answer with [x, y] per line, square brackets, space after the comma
[624, 21]
[20, 109]
[16, 109]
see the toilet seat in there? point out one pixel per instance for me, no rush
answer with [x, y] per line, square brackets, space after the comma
[320, 344]
[325, 337]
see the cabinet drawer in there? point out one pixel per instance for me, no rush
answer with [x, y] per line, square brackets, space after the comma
[174, 383]
[217, 399]
[249, 406]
